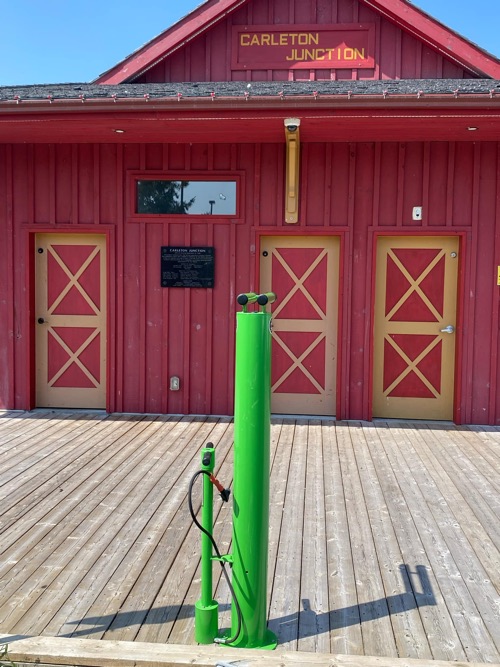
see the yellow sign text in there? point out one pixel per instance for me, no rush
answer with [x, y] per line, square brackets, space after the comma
[279, 39]
[345, 53]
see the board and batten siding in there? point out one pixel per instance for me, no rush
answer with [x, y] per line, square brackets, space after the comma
[398, 55]
[353, 190]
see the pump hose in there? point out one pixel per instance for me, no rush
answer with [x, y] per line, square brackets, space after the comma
[224, 640]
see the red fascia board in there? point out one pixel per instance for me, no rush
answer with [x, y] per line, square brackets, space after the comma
[194, 24]
[63, 120]
[427, 29]
[243, 103]
[343, 126]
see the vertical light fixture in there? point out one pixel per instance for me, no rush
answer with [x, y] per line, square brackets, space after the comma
[292, 136]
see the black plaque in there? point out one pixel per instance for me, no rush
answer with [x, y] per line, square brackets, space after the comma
[187, 266]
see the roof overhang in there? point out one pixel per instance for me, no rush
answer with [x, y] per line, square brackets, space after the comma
[248, 122]
[425, 110]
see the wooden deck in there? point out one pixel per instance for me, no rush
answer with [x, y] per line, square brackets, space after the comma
[384, 538]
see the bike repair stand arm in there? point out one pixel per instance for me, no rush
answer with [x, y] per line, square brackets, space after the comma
[206, 609]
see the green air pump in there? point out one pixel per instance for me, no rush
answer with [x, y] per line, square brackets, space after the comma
[252, 415]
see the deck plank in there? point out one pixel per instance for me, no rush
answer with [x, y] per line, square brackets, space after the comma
[480, 589]
[345, 622]
[173, 606]
[16, 428]
[285, 604]
[484, 542]
[425, 502]
[183, 547]
[384, 537]
[38, 598]
[378, 636]
[380, 498]
[88, 653]
[476, 473]
[314, 625]
[40, 442]
[130, 590]
[278, 487]
[162, 492]
[33, 520]
[24, 491]
[480, 451]
[139, 528]
[400, 482]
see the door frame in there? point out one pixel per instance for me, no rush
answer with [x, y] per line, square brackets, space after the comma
[108, 231]
[342, 349]
[459, 344]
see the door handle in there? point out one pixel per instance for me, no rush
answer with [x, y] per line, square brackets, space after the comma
[41, 320]
[449, 329]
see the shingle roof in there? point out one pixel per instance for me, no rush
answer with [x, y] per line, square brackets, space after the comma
[254, 90]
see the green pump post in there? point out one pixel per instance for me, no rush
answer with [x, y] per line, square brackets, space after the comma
[252, 414]
[206, 608]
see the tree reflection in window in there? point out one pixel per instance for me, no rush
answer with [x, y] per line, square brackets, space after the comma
[162, 197]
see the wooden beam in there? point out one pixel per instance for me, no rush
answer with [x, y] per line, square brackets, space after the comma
[98, 653]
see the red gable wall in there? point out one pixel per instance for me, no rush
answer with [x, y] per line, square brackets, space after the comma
[397, 55]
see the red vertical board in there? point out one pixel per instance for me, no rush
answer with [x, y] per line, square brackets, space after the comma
[155, 383]
[159, 333]
[7, 358]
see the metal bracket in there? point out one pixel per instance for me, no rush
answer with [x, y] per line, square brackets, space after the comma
[228, 558]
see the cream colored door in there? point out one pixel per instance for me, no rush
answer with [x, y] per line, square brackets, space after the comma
[415, 322]
[70, 312]
[304, 273]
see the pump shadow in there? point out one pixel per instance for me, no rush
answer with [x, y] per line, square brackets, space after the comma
[308, 623]
[126, 619]
[302, 623]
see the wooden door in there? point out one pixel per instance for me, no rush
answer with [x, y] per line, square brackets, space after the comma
[415, 321]
[70, 312]
[304, 273]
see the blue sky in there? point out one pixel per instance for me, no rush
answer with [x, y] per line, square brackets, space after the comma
[62, 41]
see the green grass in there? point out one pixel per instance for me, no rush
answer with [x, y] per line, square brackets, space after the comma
[5, 661]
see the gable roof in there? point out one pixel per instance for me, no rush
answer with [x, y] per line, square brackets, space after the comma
[401, 12]
[191, 26]
[426, 28]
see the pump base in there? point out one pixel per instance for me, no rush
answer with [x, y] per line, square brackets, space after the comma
[268, 643]
[205, 622]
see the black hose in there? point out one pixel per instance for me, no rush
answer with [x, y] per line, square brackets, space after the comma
[229, 640]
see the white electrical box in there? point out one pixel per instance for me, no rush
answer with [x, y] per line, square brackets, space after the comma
[417, 213]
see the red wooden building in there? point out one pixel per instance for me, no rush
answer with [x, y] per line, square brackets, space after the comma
[345, 153]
